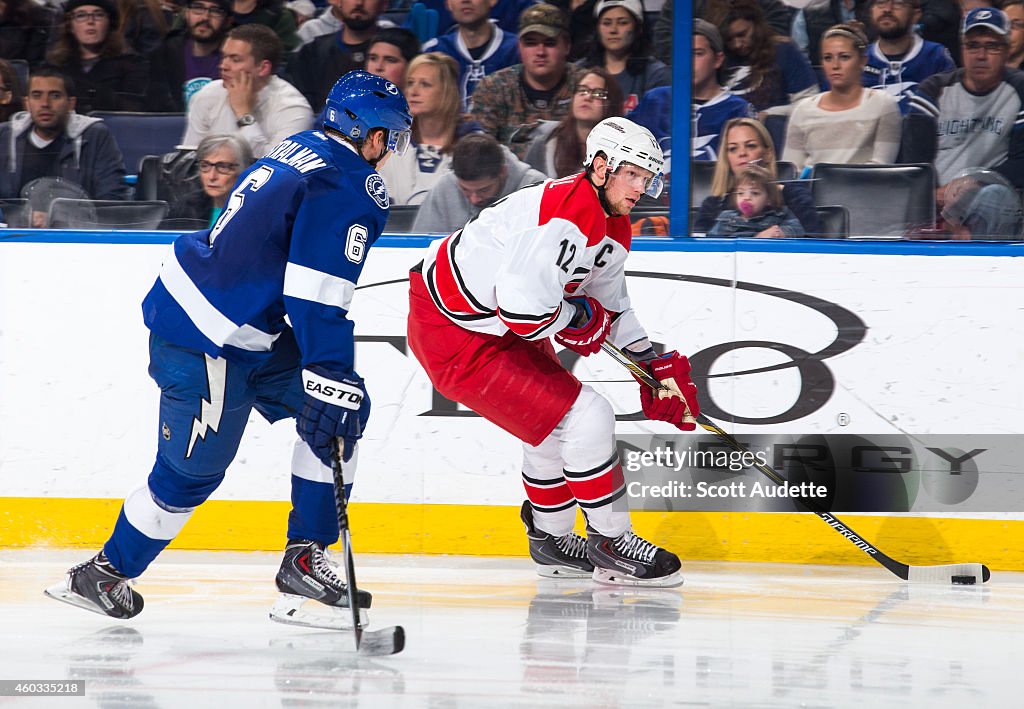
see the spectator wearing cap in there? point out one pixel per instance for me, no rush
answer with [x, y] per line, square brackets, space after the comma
[978, 110]
[899, 59]
[249, 100]
[624, 51]
[511, 102]
[269, 13]
[189, 58]
[91, 51]
[315, 67]
[713, 106]
[477, 43]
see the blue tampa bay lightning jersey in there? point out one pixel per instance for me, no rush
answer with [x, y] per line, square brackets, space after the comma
[899, 78]
[292, 241]
[709, 118]
[502, 51]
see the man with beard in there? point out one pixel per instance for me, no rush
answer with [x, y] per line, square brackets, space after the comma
[339, 13]
[315, 67]
[189, 58]
[482, 173]
[899, 59]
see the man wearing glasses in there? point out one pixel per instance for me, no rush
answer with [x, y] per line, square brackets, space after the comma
[978, 110]
[1014, 10]
[189, 58]
[292, 242]
[899, 59]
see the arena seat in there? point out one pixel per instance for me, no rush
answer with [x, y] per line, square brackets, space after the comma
[106, 214]
[883, 200]
[142, 134]
[17, 214]
[835, 222]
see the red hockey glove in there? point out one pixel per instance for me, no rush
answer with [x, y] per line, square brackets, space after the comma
[588, 329]
[679, 405]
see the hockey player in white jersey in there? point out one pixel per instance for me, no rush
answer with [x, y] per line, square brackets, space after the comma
[548, 260]
[292, 241]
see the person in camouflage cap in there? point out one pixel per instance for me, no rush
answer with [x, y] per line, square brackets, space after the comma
[511, 102]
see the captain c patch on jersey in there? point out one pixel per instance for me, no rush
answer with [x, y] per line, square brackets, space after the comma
[377, 190]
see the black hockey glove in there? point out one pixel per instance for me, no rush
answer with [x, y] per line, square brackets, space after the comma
[335, 406]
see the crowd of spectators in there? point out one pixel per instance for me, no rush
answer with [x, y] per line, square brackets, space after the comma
[504, 92]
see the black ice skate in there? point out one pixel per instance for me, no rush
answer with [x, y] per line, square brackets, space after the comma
[556, 557]
[98, 587]
[306, 574]
[629, 560]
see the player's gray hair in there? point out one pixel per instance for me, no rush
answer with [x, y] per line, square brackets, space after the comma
[239, 146]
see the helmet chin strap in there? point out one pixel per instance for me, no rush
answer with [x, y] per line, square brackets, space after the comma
[601, 196]
[375, 161]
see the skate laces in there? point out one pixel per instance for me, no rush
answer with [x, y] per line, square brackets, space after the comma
[323, 567]
[572, 545]
[629, 544]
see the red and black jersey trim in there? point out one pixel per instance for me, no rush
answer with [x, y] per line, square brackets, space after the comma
[530, 327]
[448, 288]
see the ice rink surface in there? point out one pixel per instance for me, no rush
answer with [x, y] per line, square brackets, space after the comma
[490, 633]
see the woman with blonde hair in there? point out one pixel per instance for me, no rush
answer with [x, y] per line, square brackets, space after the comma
[745, 141]
[848, 123]
[432, 90]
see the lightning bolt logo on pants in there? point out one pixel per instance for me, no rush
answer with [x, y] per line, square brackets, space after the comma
[210, 410]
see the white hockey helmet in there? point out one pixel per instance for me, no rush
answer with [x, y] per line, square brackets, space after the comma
[621, 140]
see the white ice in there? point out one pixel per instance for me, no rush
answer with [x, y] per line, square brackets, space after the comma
[490, 633]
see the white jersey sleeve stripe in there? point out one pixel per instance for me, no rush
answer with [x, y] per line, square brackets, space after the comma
[214, 325]
[318, 287]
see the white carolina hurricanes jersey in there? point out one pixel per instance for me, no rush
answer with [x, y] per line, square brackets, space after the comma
[512, 266]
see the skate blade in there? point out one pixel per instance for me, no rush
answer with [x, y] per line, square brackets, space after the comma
[550, 571]
[615, 578]
[310, 613]
[61, 592]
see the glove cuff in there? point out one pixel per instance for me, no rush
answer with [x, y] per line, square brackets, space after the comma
[347, 395]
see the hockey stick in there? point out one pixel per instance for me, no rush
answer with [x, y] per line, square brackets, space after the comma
[386, 641]
[965, 574]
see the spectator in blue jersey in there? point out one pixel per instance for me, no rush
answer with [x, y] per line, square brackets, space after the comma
[91, 51]
[978, 110]
[1014, 10]
[291, 244]
[713, 106]
[269, 13]
[623, 49]
[189, 58]
[899, 59]
[315, 67]
[745, 142]
[50, 139]
[390, 52]
[221, 159]
[560, 147]
[432, 90]
[477, 43]
[765, 68]
[848, 123]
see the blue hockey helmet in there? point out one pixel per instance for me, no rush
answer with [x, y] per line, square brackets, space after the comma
[359, 102]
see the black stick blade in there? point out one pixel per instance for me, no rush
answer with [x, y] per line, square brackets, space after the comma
[386, 641]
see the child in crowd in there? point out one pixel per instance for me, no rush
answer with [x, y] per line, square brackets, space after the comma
[760, 211]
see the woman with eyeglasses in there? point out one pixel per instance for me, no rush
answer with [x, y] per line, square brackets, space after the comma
[558, 147]
[624, 51]
[91, 50]
[221, 159]
[432, 90]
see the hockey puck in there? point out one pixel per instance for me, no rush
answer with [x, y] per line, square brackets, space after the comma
[965, 580]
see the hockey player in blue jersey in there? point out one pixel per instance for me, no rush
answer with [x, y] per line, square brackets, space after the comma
[292, 240]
